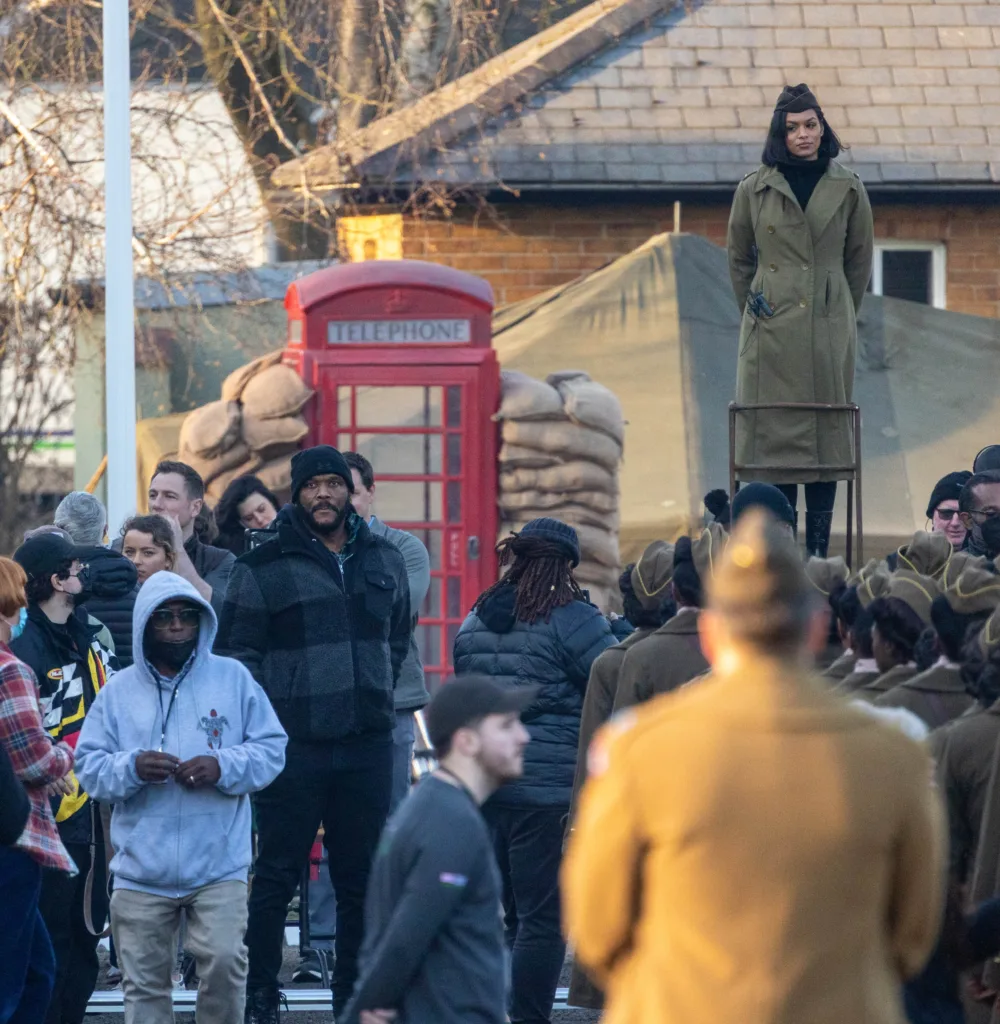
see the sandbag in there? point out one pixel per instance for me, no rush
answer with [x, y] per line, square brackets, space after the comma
[565, 439]
[524, 398]
[592, 405]
[595, 573]
[211, 429]
[276, 475]
[265, 435]
[275, 392]
[513, 456]
[561, 376]
[565, 479]
[547, 504]
[582, 515]
[209, 469]
[219, 484]
[233, 385]
[599, 545]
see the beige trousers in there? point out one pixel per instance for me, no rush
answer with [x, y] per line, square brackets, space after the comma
[145, 932]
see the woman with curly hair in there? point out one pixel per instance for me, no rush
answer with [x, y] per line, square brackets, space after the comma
[535, 627]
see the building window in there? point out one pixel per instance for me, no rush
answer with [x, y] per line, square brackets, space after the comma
[910, 270]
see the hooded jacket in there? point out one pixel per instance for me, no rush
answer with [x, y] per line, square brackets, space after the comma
[112, 598]
[170, 841]
[556, 655]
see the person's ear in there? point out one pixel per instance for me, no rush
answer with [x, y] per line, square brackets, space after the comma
[710, 635]
[819, 630]
[196, 506]
[966, 520]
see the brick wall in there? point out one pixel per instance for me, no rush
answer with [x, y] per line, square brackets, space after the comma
[525, 248]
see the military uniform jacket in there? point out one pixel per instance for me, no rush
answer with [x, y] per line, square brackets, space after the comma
[813, 268]
[883, 683]
[937, 696]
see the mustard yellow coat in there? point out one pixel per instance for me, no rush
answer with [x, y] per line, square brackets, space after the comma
[813, 268]
[752, 848]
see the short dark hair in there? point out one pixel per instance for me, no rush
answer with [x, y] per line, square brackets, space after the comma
[227, 512]
[899, 625]
[927, 649]
[443, 748]
[952, 627]
[967, 497]
[981, 672]
[193, 482]
[861, 631]
[776, 145]
[687, 582]
[365, 469]
[39, 588]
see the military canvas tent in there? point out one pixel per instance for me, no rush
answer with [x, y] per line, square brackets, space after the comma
[659, 327]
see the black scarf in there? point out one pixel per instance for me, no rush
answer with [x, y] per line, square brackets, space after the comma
[803, 176]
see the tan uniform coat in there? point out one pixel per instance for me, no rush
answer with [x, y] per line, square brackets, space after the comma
[813, 269]
[841, 668]
[937, 696]
[670, 658]
[754, 849]
[874, 689]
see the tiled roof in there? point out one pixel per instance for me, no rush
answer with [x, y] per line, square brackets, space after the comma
[913, 87]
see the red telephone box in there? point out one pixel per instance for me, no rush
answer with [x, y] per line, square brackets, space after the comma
[399, 354]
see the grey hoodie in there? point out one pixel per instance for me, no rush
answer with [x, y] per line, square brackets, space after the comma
[168, 840]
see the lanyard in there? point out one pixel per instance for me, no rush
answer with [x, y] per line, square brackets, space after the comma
[461, 785]
[170, 707]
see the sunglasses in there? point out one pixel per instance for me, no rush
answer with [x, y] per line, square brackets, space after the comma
[164, 618]
[946, 515]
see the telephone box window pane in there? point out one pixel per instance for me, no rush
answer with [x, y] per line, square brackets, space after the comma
[454, 597]
[431, 539]
[453, 628]
[454, 501]
[907, 274]
[429, 643]
[433, 681]
[399, 406]
[432, 602]
[395, 454]
[294, 332]
[454, 454]
[344, 442]
[400, 501]
[455, 405]
[344, 405]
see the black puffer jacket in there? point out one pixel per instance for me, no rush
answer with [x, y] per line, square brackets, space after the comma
[555, 655]
[112, 598]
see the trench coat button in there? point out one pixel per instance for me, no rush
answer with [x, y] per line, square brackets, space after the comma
[773, 267]
[805, 266]
[770, 229]
[802, 304]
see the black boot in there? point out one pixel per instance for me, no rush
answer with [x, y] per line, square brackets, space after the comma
[262, 1007]
[818, 533]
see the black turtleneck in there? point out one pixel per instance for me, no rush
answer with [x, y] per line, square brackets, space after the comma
[802, 176]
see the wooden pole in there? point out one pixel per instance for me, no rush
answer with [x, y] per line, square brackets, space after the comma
[96, 478]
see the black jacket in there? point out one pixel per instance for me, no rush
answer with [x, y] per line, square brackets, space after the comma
[71, 666]
[556, 655]
[14, 806]
[325, 642]
[213, 565]
[112, 597]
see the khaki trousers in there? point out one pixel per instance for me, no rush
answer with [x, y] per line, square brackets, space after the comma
[145, 933]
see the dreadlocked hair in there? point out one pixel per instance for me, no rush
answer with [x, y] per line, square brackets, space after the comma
[540, 572]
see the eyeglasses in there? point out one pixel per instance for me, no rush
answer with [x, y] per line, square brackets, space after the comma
[946, 515]
[986, 513]
[164, 618]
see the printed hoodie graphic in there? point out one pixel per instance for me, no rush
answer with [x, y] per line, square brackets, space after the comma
[169, 840]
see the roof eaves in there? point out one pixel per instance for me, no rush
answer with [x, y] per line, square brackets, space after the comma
[436, 120]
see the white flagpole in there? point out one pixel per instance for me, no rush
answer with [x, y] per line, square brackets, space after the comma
[119, 315]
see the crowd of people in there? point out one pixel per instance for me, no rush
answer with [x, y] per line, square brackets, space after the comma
[176, 720]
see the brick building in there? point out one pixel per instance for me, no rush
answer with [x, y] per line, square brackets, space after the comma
[584, 138]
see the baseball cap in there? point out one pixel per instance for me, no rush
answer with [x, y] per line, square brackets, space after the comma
[467, 698]
[46, 553]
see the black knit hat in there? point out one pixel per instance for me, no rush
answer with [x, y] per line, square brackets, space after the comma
[319, 461]
[795, 99]
[760, 495]
[948, 488]
[987, 459]
[556, 531]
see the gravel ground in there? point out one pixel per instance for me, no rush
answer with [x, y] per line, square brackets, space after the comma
[572, 1016]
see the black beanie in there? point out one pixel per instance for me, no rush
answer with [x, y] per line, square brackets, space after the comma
[760, 495]
[556, 531]
[795, 99]
[948, 488]
[319, 461]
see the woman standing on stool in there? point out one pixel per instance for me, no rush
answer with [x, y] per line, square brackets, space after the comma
[800, 258]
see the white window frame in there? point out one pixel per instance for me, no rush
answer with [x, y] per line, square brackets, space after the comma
[939, 267]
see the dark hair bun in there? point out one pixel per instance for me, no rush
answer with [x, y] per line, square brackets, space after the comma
[683, 552]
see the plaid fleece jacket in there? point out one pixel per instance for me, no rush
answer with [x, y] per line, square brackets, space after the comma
[324, 636]
[35, 758]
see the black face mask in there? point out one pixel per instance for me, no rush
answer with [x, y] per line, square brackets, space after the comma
[86, 586]
[172, 655]
[990, 531]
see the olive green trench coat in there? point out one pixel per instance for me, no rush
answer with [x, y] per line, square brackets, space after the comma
[813, 268]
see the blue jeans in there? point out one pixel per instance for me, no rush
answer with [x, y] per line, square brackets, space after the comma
[27, 963]
[322, 901]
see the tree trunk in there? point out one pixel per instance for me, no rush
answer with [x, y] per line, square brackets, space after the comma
[359, 69]
[427, 26]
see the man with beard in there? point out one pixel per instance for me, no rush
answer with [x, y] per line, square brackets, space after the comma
[320, 614]
[979, 508]
[434, 948]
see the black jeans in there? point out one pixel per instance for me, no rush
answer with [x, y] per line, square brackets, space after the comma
[528, 842]
[346, 786]
[61, 906]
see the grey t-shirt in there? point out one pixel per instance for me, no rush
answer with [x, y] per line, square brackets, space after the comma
[433, 948]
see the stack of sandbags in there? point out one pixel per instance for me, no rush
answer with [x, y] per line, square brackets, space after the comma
[254, 428]
[562, 442]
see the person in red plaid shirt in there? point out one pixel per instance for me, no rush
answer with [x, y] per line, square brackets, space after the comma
[27, 963]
